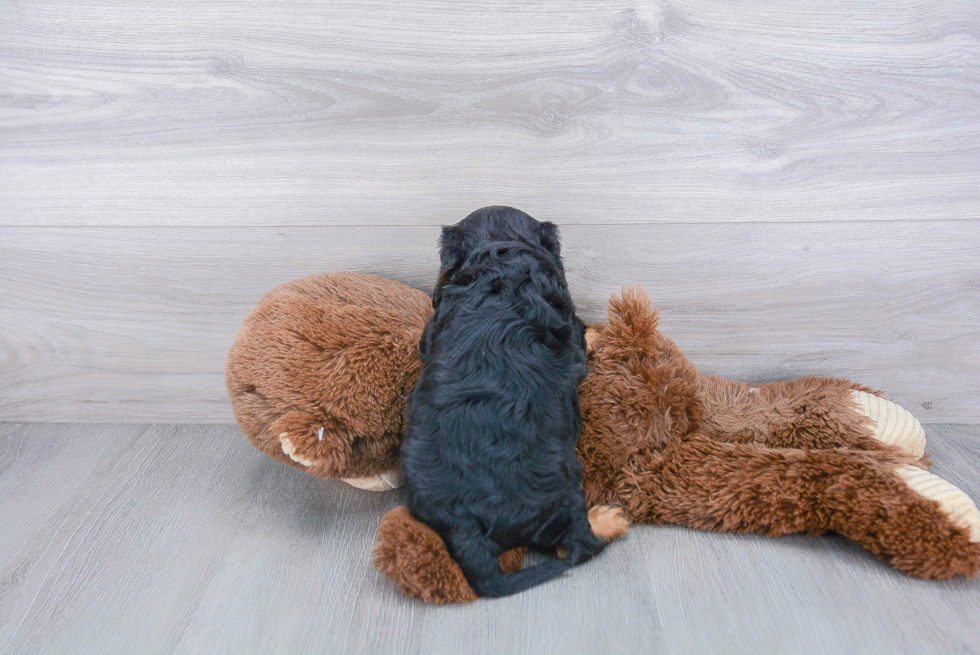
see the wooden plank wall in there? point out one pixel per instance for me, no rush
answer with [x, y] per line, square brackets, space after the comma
[797, 185]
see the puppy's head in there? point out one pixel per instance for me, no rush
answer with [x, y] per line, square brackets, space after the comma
[489, 225]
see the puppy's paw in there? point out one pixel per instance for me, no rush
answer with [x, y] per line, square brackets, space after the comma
[591, 339]
[384, 481]
[512, 560]
[608, 521]
[893, 424]
[956, 505]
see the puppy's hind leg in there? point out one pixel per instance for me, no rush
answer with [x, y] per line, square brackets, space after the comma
[608, 522]
[478, 557]
[592, 532]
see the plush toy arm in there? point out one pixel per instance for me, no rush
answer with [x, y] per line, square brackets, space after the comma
[414, 557]
[807, 413]
[906, 516]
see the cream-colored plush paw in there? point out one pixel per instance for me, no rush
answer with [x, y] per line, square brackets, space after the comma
[893, 424]
[381, 482]
[290, 449]
[960, 509]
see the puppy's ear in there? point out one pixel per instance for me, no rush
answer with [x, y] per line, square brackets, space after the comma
[444, 278]
[451, 248]
[425, 343]
[452, 254]
[548, 234]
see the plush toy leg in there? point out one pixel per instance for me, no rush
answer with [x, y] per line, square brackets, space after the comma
[414, 556]
[808, 413]
[892, 424]
[906, 516]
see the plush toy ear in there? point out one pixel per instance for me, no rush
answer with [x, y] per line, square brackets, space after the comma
[452, 254]
[548, 234]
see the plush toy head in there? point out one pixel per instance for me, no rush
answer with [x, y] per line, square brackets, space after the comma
[320, 371]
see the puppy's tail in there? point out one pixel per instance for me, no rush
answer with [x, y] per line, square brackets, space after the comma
[505, 584]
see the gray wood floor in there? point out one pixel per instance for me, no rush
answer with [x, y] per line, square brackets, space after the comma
[795, 183]
[183, 539]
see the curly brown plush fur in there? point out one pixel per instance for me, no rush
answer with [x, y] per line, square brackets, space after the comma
[673, 446]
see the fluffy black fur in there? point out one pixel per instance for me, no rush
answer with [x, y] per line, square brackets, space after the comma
[489, 459]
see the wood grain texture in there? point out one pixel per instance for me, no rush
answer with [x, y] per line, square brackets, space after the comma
[132, 324]
[796, 188]
[183, 539]
[414, 113]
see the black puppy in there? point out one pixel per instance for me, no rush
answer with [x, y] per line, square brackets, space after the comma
[489, 459]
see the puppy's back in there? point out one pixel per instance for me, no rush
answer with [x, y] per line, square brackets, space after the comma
[493, 422]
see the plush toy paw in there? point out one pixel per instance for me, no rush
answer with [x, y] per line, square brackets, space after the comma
[290, 450]
[608, 521]
[957, 506]
[307, 446]
[893, 424]
[384, 481]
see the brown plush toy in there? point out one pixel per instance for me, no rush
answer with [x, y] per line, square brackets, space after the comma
[320, 373]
